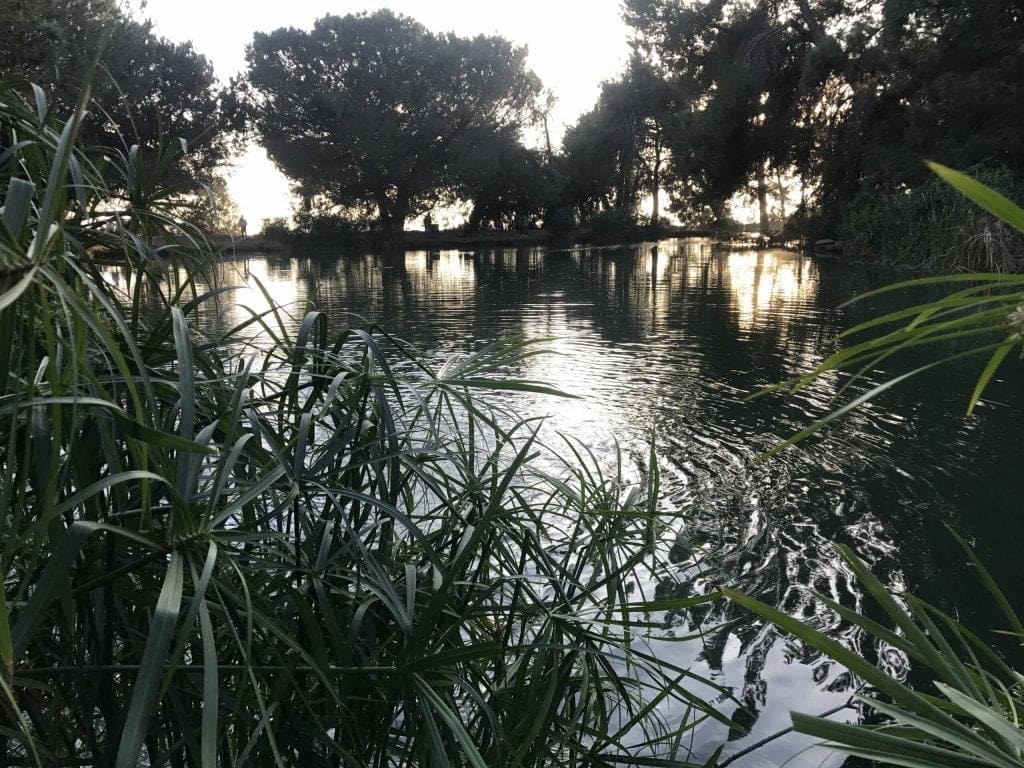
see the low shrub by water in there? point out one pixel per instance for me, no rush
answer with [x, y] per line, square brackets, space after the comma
[934, 228]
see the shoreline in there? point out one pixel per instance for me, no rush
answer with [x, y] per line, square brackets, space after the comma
[448, 240]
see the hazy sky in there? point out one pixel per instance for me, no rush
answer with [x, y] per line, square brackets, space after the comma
[574, 45]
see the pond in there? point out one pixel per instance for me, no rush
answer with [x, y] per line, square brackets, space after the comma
[670, 344]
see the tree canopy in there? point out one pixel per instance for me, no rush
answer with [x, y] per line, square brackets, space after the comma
[145, 90]
[615, 153]
[848, 96]
[373, 111]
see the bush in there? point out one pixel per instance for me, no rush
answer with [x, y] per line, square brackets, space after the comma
[325, 226]
[276, 229]
[934, 228]
[615, 225]
[560, 221]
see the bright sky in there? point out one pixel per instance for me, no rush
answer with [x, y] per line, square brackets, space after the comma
[574, 45]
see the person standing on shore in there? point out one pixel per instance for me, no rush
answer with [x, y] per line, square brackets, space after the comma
[242, 225]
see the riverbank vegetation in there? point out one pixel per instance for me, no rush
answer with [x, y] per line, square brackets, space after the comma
[934, 228]
[253, 546]
[845, 99]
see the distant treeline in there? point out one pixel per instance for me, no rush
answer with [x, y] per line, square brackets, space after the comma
[812, 111]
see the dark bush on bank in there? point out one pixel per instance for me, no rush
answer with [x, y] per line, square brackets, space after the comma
[934, 228]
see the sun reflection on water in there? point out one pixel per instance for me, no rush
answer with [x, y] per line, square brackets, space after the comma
[762, 281]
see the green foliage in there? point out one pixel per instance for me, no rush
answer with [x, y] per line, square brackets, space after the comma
[373, 111]
[616, 154]
[45, 42]
[847, 96]
[215, 211]
[934, 228]
[146, 91]
[276, 228]
[735, 68]
[614, 225]
[505, 182]
[271, 541]
[324, 225]
[970, 718]
[560, 221]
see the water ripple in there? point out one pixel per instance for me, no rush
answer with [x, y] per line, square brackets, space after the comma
[672, 346]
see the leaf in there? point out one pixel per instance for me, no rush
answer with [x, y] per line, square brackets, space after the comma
[852, 661]
[450, 719]
[211, 688]
[887, 748]
[986, 375]
[55, 575]
[6, 647]
[147, 683]
[987, 198]
[17, 205]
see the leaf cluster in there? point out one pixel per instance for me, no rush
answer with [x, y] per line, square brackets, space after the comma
[279, 542]
[373, 111]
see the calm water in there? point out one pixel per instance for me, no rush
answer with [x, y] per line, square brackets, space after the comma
[673, 345]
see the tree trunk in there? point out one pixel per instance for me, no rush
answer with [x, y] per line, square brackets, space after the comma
[391, 215]
[762, 199]
[656, 182]
[783, 198]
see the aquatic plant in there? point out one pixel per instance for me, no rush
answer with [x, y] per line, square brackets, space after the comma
[935, 229]
[278, 545]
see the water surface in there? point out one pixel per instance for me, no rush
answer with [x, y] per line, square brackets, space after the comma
[670, 344]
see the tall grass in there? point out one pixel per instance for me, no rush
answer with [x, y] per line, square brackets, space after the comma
[323, 554]
[935, 229]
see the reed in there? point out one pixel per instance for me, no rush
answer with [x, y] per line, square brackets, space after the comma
[934, 229]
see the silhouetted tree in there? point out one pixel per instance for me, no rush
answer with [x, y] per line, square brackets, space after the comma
[373, 111]
[615, 154]
[146, 89]
[216, 211]
[849, 95]
[503, 180]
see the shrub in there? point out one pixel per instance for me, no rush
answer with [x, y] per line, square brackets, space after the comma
[934, 228]
[614, 224]
[326, 225]
[276, 229]
[560, 221]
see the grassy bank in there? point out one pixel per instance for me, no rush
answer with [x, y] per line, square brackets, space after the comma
[933, 228]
